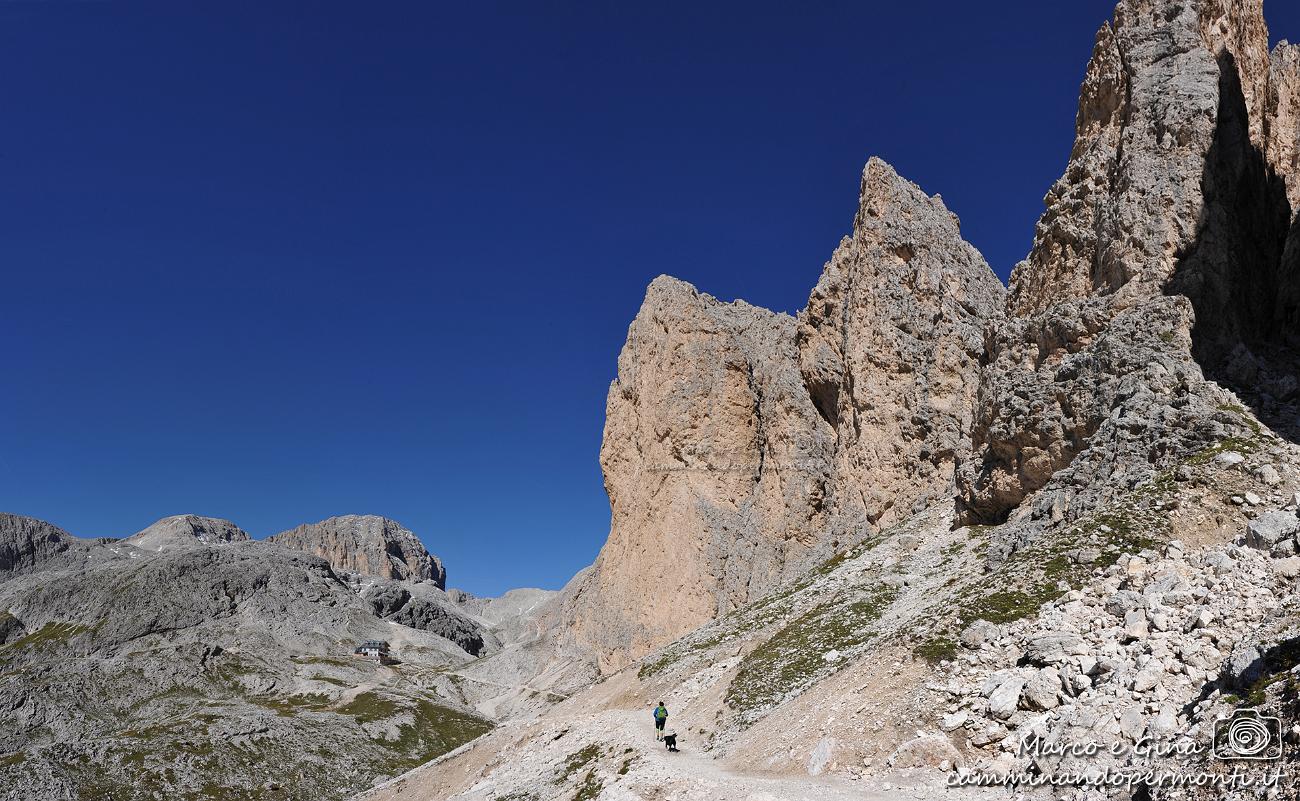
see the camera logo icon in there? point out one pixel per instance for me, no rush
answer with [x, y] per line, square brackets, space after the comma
[1248, 735]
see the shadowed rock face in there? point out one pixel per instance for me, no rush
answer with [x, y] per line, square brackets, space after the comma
[366, 544]
[394, 602]
[1170, 225]
[742, 445]
[1131, 199]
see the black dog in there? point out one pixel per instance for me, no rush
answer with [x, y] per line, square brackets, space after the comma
[670, 741]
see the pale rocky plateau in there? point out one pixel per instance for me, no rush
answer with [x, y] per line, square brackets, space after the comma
[930, 537]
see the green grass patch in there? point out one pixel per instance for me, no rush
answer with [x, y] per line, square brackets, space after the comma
[323, 660]
[793, 658]
[432, 731]
[10, 760]
[579, 760]
[589, 789]
[1279, 661]
[290, 705]
[1246, 417]
[936, 650]
[827, 567]
[369, 707]
[51, 635]
[1230, 444]
[1008, 606]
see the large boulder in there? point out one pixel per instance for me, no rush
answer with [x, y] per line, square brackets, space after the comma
[1271, 528]
[1054, 647]
[1005, 696]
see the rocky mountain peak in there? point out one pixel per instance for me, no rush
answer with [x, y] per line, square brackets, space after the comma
[889, 348]
[1178, 107]
[26, 542]
[366, 544]
[714, 466]
[742, 445]
[186, 531]
[1167, 253]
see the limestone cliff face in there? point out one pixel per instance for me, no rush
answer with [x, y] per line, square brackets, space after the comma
[1168, 251]
[366, 544]
[1283, 141]
[742, 445]
[1130, 202]
[1170, 224]
[715, 466]
[889, 348]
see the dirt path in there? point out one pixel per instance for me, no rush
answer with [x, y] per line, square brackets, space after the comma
[517, 687]
[692, 774]
[535, 759]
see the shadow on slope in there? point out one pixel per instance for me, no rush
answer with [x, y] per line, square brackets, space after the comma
[1241, 273]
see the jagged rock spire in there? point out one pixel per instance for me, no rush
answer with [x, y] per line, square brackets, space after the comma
[1162, 255]
[742, 445]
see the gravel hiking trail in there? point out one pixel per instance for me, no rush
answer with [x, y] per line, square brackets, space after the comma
[539, 750]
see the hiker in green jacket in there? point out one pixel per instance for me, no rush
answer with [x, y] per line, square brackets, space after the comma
[661, 717]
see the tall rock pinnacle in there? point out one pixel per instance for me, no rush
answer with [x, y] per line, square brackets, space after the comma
[741, 445]
[715, 468]
[889, 347]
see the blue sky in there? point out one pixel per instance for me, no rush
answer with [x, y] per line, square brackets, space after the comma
[278, 261]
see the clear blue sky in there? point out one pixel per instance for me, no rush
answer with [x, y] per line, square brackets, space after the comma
[278, 261]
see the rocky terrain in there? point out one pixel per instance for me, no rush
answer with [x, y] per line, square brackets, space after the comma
[368, 545]
[742, 445]
[187, 661]
[924, 523]
[927, 538]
